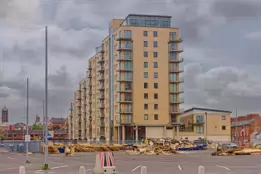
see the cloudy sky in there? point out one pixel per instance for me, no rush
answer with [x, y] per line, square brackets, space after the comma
[221, 49]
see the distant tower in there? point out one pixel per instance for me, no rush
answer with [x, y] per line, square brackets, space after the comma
[37, 120]
[5, 115]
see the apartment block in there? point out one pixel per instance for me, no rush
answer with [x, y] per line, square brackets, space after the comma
[133, 87]
[212, 124]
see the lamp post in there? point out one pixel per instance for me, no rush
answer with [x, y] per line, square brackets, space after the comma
[206, 114]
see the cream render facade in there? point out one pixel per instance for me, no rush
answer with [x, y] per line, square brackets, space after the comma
[133, 85]
[211, 124]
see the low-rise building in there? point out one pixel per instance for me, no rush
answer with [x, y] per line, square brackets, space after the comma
[58, 123]
[212, 124]
[246, 128]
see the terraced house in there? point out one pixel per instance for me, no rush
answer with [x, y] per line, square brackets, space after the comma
[133, 88]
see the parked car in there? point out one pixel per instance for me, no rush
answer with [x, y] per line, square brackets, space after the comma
[229, 146]
[256, 144]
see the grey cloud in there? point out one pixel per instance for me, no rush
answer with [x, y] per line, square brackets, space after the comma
[61, 78]
[237, 9]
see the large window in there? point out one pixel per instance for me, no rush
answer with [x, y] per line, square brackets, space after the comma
[146, 107]
[145, 54]
[156, 75]
[146, 64]
[155, 64]
[156, 117]
[127, 34]
[146, 75]
[155, 34]
[146, 85]
[145, 44]
[145, 33]
[200, 129]
[200, 119]
[223, 127]
[223, 117]
[155, 54]
[172, 35]
[146, 96]
[146, 117]
[155, 44]
[156, 86]
[156, 106]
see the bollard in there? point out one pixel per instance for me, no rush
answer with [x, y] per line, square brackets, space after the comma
[98, 166]
[201, 170]
[22, 170]
[143, 170]
[82, 170]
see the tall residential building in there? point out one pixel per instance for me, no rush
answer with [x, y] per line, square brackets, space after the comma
[4, 115]
[133, 83]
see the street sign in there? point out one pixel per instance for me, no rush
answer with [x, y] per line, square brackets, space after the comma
[50, 134]
[27, 138]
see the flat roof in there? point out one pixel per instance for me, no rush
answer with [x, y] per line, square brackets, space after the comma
[207, 109]
[146, 15]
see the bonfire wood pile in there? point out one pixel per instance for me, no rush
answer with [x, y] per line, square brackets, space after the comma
[165, 146]
[239, 151]
[93, 148]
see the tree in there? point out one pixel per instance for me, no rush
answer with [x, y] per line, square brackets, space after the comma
[37, 127]
[1, 135]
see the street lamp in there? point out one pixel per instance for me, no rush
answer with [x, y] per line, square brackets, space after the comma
[206, 114]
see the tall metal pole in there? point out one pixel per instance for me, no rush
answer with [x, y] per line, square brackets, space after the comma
[46, 99]
[236, 126]
[43, 121]
[27, 117]
[206, 126]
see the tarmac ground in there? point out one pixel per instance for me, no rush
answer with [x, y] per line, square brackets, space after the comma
[183, 163]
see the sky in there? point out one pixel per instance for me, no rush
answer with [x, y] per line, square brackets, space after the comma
[221, 50]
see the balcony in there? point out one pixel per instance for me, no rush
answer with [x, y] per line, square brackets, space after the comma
[124, 90]
[100, 49]
[124, 58]
[176, 111]
[89, 67]
[180, 91]
[100, 59]
[124, 48]
[101, 77]
[175, 40]
[101, 87]
[176, 80]
[100, 68]
[129, 100]
[123, 37]
[101, 106]
[196, 122]
[126, 120]
[124, 69]
[89, 92]
[124, 79]
[101, 115]
[102, 133]
[175, 121]
[180, 60]
[101, 123]
[176, 70]
[176, 101]
[101, 97]
[175, 50]
[124, 111]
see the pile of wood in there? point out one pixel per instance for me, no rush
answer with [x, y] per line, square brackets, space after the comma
[239, 151]
[93, 148]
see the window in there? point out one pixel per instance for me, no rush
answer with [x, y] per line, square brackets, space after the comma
[155, 44]
[146, 75]
[155, 34]
[146, 107]
[145, 44]
[145, 54]
[146, 85]
[172, 35]
[146, 117]
[156, 107]
[156, 96]
[156, 75]
[145, 33]
[155, 64]
[146, 96]
[223, 117]
[200, 129]
[155, 54]
[155, 85]
[156, 117]
[223, 127]
[145, 64]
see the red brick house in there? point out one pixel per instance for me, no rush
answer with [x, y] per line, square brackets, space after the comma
[246, 128]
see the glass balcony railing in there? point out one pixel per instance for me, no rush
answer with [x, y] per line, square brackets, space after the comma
[122, 111]
[129, 79]
[101, 77]
[179, 69]
[101, 105]
[100, 59]
[100, 68]
[176, 60]
[126, 100]
[175, 49]
[123, 90]
[125, 47]
[177, 80]
[177, 101]
[101, 87]
[124, 58]
[176, 110]
[124, 69]
[175, 39]
[124, 37]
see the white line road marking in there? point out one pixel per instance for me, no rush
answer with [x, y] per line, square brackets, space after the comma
[10, 168]
[136, 168]
[59, 167]
[88, 170]
[179, 167]
[10, 158]
[223, 167]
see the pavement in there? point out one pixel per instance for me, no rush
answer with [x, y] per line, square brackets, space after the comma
[184, 163]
